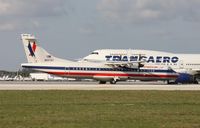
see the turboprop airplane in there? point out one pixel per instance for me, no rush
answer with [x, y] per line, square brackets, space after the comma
[116, 69]
[186, 65]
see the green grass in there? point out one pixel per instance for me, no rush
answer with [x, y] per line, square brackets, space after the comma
[99, 109]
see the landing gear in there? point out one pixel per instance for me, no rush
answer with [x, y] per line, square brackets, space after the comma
[195, 81]
[113, 82]
[102, 82]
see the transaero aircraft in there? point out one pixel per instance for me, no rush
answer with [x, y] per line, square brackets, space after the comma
[187, 66]
[109, 65]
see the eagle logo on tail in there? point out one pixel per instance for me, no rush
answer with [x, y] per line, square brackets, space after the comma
[32, 48]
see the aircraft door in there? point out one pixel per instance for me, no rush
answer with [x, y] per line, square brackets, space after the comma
[67, 71]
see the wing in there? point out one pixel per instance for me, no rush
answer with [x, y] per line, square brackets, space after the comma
[138, 64]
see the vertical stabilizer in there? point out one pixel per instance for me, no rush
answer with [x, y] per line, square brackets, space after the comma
[35, 53]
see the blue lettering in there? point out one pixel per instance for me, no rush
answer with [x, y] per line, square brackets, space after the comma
[124, 58]
[174, 59]
[158, 59]
[166, 59]
[142, 58]
[116, 58]
[133, 58]
[108, 58]
[151, 59]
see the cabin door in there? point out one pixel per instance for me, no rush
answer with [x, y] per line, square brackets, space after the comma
[67, 71]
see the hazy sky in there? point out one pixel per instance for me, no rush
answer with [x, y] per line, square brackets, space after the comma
[71, 29]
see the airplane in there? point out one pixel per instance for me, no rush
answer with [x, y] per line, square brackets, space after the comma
[186, 65]
[2, 78]
[103, 71]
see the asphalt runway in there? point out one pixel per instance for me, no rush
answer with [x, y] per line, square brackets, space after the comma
[94, 86]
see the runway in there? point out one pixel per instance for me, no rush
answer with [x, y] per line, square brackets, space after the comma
[94, 86]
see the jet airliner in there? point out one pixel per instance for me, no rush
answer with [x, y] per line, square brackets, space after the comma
[186, 65]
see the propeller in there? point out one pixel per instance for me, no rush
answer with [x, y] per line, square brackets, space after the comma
[141, 61]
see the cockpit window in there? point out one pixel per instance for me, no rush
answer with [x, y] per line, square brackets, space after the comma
[96, 53]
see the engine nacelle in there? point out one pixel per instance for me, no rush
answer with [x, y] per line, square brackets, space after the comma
[109, 78]
[185, 78]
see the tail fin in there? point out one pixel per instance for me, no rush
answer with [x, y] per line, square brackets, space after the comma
[35, 53]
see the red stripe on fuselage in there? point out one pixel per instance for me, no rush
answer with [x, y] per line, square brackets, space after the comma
[113, 74]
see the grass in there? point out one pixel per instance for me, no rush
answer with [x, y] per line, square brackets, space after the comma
[99, 109]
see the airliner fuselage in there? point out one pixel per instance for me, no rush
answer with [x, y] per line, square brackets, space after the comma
[187, 65]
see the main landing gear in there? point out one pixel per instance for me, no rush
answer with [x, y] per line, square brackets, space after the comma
[102, 82]
[111, 82]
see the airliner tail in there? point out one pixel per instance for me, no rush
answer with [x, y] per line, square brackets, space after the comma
[35, 53]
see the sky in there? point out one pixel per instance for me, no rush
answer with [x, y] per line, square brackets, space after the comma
[72, 29]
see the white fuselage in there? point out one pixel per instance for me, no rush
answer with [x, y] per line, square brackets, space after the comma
[183, 63]
[102, 72]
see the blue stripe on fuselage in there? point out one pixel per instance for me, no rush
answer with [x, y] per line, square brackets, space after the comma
[45, 67]
[101, 69]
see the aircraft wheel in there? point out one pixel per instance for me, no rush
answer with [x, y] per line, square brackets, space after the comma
[195, 82]
[102, 82]
[113, 82]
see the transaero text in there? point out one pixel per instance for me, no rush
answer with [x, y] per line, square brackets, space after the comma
[148, 59]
